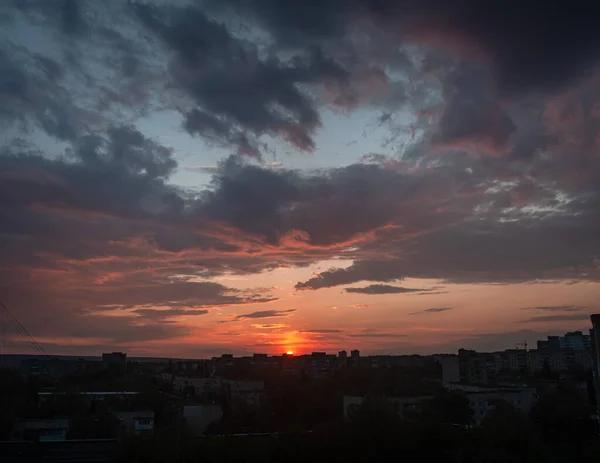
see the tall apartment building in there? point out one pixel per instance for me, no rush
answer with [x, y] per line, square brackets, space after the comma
[595, 341]
[472, 367]
[574, 340]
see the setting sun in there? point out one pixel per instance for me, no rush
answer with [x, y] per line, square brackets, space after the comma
[290, 352]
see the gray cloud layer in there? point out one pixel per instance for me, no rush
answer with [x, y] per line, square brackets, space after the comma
[496, 182]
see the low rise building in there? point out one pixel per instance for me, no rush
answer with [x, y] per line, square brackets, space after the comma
[450, 368]
[42, 430]
[484, 401]
[472, 367]
[137, 422]
[481, 401]
[115, 362]
[197, 386]
[249, 392]
[199, 417]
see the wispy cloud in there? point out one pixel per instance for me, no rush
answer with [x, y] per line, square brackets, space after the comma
[377, 335]
[383, 289]
[557, 318]
[202, 169]
[264, 314]
[430, 293]
[326, 331]
[432, 310]
[157, 314]
[360, 306]
[269, 326]
[557, 308]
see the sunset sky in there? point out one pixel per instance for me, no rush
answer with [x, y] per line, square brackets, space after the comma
[196, 177]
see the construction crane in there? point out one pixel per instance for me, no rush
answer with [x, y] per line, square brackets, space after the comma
[6, 316]
[522, 345]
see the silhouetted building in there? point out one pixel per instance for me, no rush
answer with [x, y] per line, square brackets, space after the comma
[516, 359]
[42, 430]
[115, 360]
[595, 342]
[553, 342]
[472, 367]
[199, 417]
[342, 360]
[575, 340]
[481, 401]
[137, 422]
[450, 368]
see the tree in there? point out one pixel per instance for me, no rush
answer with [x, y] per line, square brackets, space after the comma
[563, 420]
[449, 407]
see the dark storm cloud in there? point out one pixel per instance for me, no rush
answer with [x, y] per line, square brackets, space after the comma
[72, 18]
[323, 204]
[105, 215]
[264, 314]
[79, 65]
[382, 270]
[121, 175]
[432, 310]
[546, 47]
[68, 15]
[81, 228]
[296, 22]
[553, 245]
[30, 96]
[121, 179]
[382, 289]
[471, 110]
[232, 86]
[236, 90]
[169, 293]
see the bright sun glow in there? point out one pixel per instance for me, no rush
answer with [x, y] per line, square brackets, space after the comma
[290, 352]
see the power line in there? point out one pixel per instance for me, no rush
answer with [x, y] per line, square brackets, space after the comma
[23, 331]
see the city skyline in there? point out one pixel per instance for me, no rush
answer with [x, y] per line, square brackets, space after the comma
[580, 338]
[266, 176]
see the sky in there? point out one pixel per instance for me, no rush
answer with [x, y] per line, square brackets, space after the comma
[196, 177]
